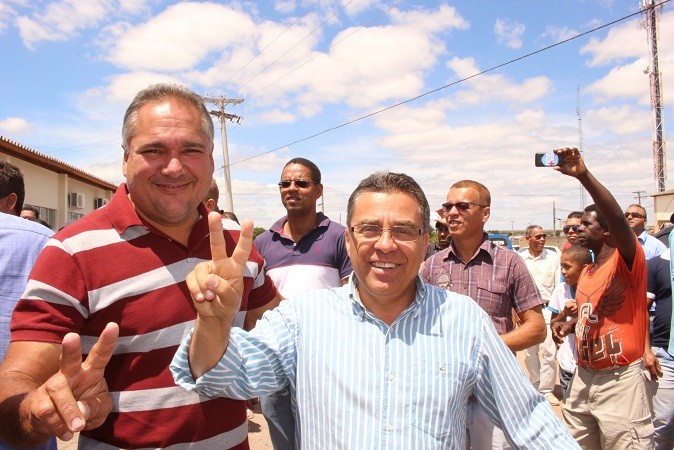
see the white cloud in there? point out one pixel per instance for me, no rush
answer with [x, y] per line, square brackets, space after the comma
[7, 15]
[509, 32]
[622, 42]
[620, 120]
[285, 6]
[278, 116]
[626, 47]
[559, 34]
[181, 37]
[14, 125]
[488, 87]
[62, 20]
[623, 82]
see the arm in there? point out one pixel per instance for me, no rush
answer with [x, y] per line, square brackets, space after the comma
[254, 315]
[530, 332]
[46, 390]
[650, 360]
[528, 420]
[623, 236]
[216, 288]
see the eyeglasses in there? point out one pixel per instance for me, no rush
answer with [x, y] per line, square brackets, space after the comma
[399, 233]
[539, 236]
[285, 184]
[567, 228]
[635, 215]
[460, 206]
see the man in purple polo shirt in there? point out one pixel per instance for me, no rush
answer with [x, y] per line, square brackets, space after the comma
[303, 250]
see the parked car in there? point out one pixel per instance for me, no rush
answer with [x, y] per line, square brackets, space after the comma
[663, 235]
[501, 239]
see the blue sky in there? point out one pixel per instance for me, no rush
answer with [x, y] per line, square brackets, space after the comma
[304, 67]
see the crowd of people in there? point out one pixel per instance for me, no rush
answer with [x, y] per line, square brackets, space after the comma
[151, 322]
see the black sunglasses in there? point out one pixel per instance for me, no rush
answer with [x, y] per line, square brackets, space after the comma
[299, 183]
[634, 214]
[460, 206]
[568, 228]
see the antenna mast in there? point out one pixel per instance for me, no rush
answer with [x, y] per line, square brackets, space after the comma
[580, 143]
[650, 11]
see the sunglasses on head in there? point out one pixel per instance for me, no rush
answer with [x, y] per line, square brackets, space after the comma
[299, 183]
[568, 228]
[460, 206]
[634, 214]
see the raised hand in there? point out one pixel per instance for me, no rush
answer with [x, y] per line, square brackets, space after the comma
[216, 286]
[572, 163]
[75, 398]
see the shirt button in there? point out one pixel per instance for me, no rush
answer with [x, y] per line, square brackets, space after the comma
[391, 377]
[389, 427]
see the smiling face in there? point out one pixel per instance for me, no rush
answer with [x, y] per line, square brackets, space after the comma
[297, 200]
[168, 164]
[469, 223]
[386, 270]
[536, 241]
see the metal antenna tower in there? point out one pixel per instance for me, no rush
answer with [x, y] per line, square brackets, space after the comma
[580, 143]
[223, 116]
[650, 11]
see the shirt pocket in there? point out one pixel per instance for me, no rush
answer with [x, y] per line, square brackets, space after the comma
[439, 409]
[493, 295]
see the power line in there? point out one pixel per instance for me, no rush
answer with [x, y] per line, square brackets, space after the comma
[433, 91]
[268, 45]
[320, 54]
[296, 44]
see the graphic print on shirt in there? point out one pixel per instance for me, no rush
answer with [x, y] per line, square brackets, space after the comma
[600, 340]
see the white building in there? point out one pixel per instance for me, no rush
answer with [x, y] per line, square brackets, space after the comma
[61, 192]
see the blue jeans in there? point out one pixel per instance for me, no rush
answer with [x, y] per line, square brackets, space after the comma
[663, 401]
[278, 412]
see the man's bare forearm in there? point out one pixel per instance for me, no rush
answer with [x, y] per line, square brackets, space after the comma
[209, 343]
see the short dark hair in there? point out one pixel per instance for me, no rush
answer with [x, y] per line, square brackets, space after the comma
[575, 215]
[482, 191]
[33, 209]
[230, 215]
[11, 182]
[579, 254]
[313, 168]
[637, 206]
[389, 182]
[213, 192]
[600, 217]
[159, 92]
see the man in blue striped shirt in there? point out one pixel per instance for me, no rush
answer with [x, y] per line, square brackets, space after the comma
[385, 361]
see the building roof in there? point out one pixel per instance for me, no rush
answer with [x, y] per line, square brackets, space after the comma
[39, 159]
[667, 192]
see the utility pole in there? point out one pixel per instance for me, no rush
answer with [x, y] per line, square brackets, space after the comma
[554, 219]
[637, 195]
[650, 11]
[220, 113]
